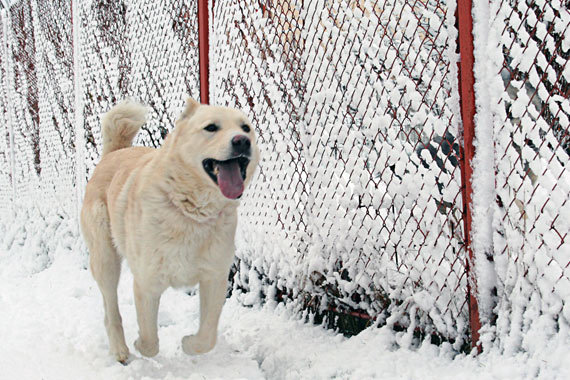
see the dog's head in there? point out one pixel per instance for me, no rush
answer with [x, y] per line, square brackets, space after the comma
[218, 145]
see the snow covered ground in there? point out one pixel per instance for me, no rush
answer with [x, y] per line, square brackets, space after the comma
[51, 327]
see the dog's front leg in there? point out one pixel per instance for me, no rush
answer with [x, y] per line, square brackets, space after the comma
[147, 301]
[212, 298]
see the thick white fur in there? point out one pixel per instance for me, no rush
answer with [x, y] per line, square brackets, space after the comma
[159, 209]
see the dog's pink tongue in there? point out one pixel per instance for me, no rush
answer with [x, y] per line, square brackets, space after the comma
[229, 179]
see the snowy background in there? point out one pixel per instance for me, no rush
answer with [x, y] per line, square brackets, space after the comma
[357, 206]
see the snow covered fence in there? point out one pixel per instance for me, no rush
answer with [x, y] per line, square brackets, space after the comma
[358, 206]
[522, 214]
[139, 49]
[358, 114]
[38, 105]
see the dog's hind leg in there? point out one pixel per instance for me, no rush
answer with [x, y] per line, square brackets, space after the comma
[105, 265]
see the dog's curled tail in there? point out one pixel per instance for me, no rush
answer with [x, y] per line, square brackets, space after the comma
[121, 124]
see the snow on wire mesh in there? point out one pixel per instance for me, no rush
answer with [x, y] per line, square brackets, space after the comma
[137, 49]
[126, 49]
[356, 110]
[38, 80]
[23, 93]
[6, 191]
[532, 153]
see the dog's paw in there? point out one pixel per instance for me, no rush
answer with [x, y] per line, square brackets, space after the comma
[148, 349]
[121, 354]
[192, 345]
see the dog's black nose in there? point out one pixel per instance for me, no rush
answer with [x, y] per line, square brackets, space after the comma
[241, 145]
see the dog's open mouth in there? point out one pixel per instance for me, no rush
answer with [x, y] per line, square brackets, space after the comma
[228, 175]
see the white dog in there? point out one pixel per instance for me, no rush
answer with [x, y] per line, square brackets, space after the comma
[171, 212]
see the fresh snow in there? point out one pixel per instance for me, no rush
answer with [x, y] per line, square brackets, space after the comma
[51, 327]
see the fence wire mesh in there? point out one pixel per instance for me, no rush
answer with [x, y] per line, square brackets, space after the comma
[147, 51]
[56, 101]
[6, 191]
[24, 99]
[532, 149]
[38, 89]
[356, 108]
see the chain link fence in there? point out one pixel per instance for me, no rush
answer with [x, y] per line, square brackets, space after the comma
[140, 50]
[23, 104]
[358, 204]
[357, 111]
[124, 49]
[6, 190]
[531, 213]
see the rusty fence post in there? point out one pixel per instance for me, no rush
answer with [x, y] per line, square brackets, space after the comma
[204, 48]
[467, 102]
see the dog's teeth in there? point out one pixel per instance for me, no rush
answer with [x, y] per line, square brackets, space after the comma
[216, 170]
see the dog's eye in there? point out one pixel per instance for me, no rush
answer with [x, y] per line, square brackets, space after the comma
[211, 128]
[246, 128]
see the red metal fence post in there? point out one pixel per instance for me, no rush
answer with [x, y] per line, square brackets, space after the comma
[467, 101]
[203, 46]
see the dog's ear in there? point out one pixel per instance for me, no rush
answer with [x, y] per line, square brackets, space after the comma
[189, 109]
